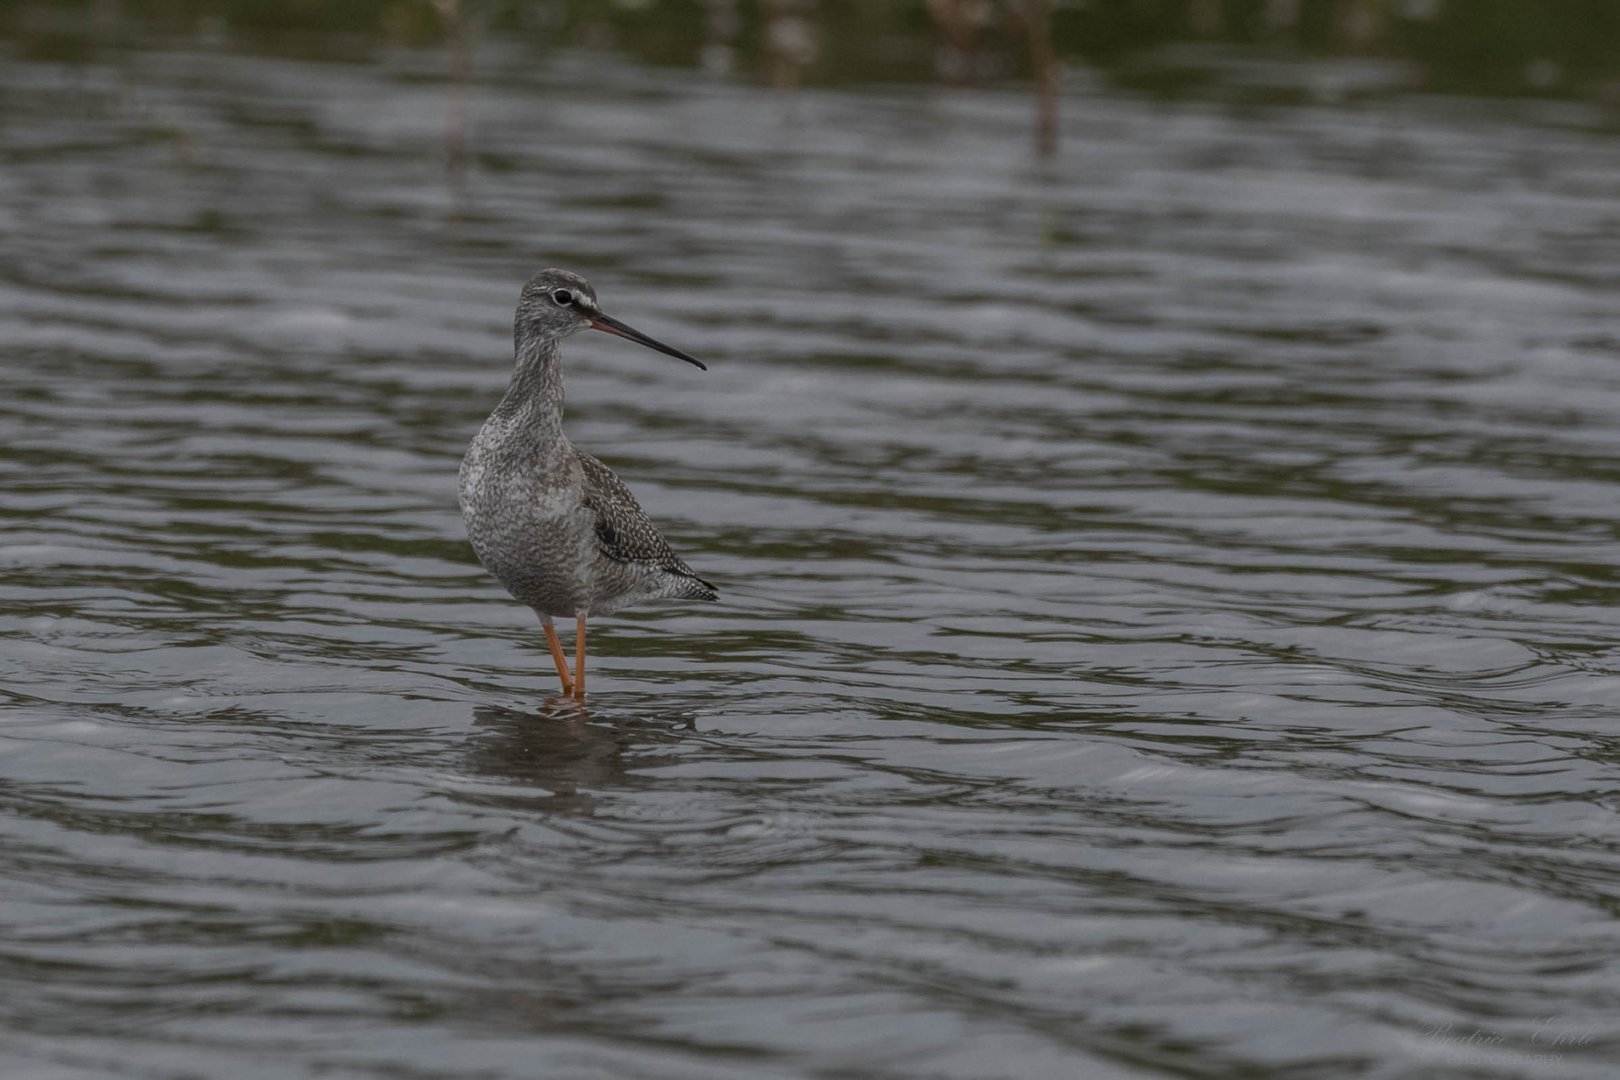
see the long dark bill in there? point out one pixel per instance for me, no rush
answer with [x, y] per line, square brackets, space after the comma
[608, 324]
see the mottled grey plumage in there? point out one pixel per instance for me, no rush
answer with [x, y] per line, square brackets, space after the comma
[552, 523]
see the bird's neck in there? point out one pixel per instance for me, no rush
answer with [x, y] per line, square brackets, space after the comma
[535, 397]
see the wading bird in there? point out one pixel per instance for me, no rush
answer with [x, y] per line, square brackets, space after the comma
[552, 523]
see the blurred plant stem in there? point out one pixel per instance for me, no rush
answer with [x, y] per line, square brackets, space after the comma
[458, 36]
[960, 24]
[791, 41]
[1036, 16]
[721, 24]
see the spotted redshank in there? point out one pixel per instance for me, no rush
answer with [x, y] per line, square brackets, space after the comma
[552, 523]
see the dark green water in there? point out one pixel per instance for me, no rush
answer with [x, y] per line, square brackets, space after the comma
[1168, 617]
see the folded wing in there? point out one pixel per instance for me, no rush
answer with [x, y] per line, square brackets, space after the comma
[625, 533]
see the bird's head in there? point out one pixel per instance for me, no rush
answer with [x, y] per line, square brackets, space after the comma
[557, 303]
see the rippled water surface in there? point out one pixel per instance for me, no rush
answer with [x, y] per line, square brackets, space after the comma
[1167, 626]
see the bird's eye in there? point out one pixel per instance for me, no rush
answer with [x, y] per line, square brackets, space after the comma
[562, 296]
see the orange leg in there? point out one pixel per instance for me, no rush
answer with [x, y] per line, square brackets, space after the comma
[579, 660]
[558, 657]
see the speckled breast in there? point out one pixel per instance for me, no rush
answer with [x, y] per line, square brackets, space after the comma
[528, 525]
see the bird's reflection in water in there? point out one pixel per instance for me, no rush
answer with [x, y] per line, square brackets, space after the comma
[572, 751]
